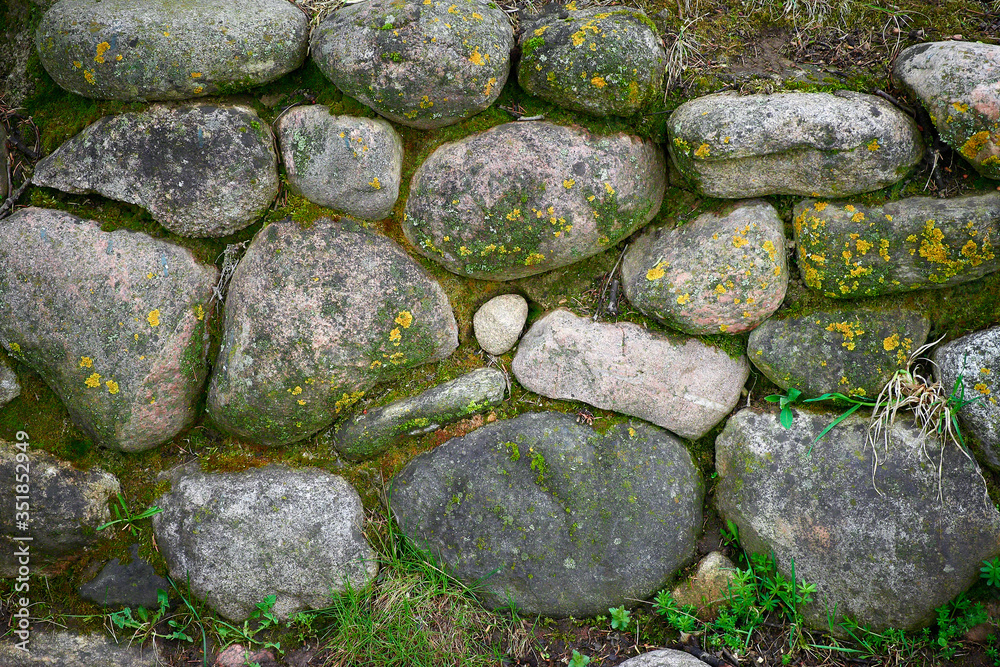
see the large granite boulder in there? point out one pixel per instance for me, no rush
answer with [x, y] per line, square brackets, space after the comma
[199, 169]
[678, 383]
[970, 367]
[721, 272]
[879, 544]
[239, 537]
[155, 50]
[600, 60]
[854, 351]
[847, 250]
[64, 507]
[114, 322]
[959, 84]
[524, 198]
[550, 516]
[349, 164]
[425, 64]
[314, 318]
[814, 144]
[372, 432]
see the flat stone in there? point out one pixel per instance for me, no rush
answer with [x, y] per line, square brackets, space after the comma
[66, 507]
[69, 649]
[664, 657]
[847, 250]
[114, 322]
[345, 163]
[369, 434]
[568, 195]
[813, 144]
[418, 63]
[315, 318]
[721, 272]
[551, 516]
[131, 585]
[199, 169]
[853, 351]
[499, 321]
[10, 388]
[878, 544]
[239, 537]
[126, 50]
[958, 84]
[971, 364]
[600, 60]
[678, 383]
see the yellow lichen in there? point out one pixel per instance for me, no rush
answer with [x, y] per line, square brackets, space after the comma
[599, 81]
[533, 258]
[154, 318]
[89, 76]
[296, 391]
[568, 183]
[683, 298]
[971, 148]
[982, 388]
[199, 312]
[703, 151]
[375, 183]
[93, 381]
[101, 49]
[819, 206]
[739, 241]
[873, 145]
[404, 319]
[858, 217]
[112, 386]
[891, 342]
[476, 58]
[848, 330]
[86, 362]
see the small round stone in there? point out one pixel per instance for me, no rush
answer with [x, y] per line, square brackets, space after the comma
[499, 322]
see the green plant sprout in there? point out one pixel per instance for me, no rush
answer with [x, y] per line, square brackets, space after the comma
[990, 571]
[578, 659]
[126, 517]
[260, 620]
[620, 617]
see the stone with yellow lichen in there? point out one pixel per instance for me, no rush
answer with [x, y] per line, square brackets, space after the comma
[850, 351]
[847, 250]
[154, 50]
[722, 272]
[420, 63]
[957, 83]
[812, 144]
[109, 320]
[600, 60]
[525, 198]
[314, 319]
[973, 362]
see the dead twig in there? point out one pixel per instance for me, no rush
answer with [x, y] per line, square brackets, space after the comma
[9, 204]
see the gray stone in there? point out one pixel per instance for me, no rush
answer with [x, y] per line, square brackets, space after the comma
[853, 351]
[10, 388]
[115, 322]
[720, 273]
[976, 360]
[316, 317]
[350, 164]
[151, 50]
[708, 588]
[678, 383]
[66, 648]
[369, 434]
[600, 60]
[199, 169]
[568, 195]
[664, 657]
[553, 517]
[418, 63]
[877, 542]
[957, 83]
[850, 250]
[813, 144]
[499, 321]
[131, 585]
[65, 507]
[239, 537]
